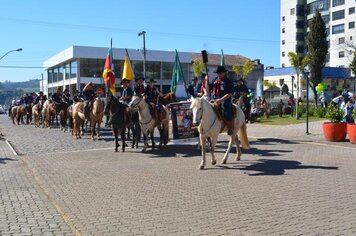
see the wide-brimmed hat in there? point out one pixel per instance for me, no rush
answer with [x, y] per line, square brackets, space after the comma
[138, 78]
[152, 80]
[203, 75]
[124, 81]
[220, 69]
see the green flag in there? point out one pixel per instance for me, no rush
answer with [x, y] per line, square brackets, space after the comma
[177, 74]
[222, 59]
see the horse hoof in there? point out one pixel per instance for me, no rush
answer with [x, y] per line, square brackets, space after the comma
[143, 150]
[115, 150]
[238, 159]
[99, 138]
[201, 167]
[223, 162]
[213, 162]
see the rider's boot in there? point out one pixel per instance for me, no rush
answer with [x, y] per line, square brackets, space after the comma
[230, 125]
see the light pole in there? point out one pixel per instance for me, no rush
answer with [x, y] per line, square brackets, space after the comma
[292, 76]
[17, 50]
[307, 71]
[143, 33]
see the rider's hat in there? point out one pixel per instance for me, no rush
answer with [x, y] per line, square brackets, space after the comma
[220, 69]
[152, 80]
[124, 81]
[139, 78]
[40, 92]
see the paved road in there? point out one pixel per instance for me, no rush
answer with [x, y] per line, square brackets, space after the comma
[286, 184]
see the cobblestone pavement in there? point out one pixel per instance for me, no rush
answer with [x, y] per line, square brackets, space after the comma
[288, 183]
[24, 208]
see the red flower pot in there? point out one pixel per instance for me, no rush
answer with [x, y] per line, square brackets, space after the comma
[351, 132]
[334, 132]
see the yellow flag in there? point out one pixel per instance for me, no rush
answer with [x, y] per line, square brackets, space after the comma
[127, 73]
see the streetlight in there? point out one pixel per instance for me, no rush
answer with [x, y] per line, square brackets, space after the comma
[143, 33]
[17, 50]
[307, 71]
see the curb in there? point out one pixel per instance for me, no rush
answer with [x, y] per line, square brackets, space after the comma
[11, 147]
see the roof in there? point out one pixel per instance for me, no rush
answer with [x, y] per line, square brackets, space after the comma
[326, 72]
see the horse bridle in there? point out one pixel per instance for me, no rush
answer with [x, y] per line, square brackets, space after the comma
[134, 105]
[213, 121]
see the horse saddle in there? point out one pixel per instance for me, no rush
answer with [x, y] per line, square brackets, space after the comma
[157, 112]
[219, 112]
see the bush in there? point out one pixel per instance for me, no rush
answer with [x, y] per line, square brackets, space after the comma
[311, 111]
[301, 110]
[334, 114]
[353, 114]
[320, 112]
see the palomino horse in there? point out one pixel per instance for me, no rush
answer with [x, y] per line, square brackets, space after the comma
[96, 117]
[37, 111]
[210, 126]
[13, 113]
[48, 113]
[148, 123]
[168, 98]
[78, 119]
[119, 120]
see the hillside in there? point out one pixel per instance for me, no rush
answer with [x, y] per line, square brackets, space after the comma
[9, 90]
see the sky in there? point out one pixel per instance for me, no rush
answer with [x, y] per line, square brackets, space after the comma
[44, 28]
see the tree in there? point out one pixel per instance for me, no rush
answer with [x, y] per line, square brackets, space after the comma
[317, 50]
[270, 86]
[353, 64]
[243, 71]
[198, 67]
[299, 63]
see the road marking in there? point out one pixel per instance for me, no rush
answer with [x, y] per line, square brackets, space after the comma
[10, 146]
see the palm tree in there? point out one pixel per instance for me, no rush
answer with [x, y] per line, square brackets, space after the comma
[243, 71]
[299, 63]
[198, 67]
[270, 86]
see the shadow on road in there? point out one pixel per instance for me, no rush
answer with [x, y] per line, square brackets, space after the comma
[272, 167]
[3, 160]
[174, 151]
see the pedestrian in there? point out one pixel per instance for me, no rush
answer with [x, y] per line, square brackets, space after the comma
[280, 107]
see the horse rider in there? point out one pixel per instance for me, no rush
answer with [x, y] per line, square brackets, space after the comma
[193, 88]
[240, 89]
[66, 98]
[126, 92]
[152, 94]
[76, 96]
[88, 96]
[139, 87]
[202, 86]
[39, 98]
[222, 93]
[57, 98]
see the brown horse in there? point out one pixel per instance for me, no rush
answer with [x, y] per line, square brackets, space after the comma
[21, 112]
[168, 98]
[78, 118]
[36, 111]
[96, 117]
[13, 113]
[63, 115]
[28, 108]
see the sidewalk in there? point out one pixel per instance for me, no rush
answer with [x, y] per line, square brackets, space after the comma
[24, 208]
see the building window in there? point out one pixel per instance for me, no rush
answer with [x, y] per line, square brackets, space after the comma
[326, 18]
[341, 54]
[299, 49]
[337, 15]
[351, 10]
[67, 71]
[300, 24]
[283, 42]
[350, 37]
[341, 40]
[283, 65]
[300, 36]
[73, 69]
[292, 11]
[337, 29]
[283, 18]
[321, 5]
[351, 25]
[300, 10]
[50, 76]
[283, 54]
[283, 30]
[338, 2]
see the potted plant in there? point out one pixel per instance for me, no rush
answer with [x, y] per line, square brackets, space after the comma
[335, 130]
[351, 128]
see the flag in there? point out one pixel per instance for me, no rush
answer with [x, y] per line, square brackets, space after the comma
[109, 74]
[127, 72]
[177, 74]
[222, 59]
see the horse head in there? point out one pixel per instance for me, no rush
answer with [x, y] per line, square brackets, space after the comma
[197, 109]
[135, 102]
[98, 106]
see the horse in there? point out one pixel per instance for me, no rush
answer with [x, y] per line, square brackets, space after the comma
[134, 127]
[37, 113]
[96, 117]
[70, 118]
[148, 123]
[48, 113]
[210, 126]
[13, 113]
[21, 112]
[78, 119]
[168, 98]
[63, 115]
[119, 120]
[244, 104]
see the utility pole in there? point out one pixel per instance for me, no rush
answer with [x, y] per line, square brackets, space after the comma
[143, 34]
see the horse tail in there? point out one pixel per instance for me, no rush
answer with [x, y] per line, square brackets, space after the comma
[81, 115]
[243, 137]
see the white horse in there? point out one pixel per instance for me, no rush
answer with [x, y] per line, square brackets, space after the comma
[210, 127]
[148, 123]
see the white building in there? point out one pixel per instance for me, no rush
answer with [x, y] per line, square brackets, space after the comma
[339, 17]
[77, 65]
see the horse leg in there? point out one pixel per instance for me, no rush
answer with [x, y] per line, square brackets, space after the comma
[232, 138]
[161, 135]
[123, 139]
[116, 134]
[152, 139]
[237, 142]
[203, 151]
[92, 130]
[212, 149]
[145, 137]
[98, 133]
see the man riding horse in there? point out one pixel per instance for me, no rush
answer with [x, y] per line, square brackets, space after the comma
[88, 96]
[152, 94]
